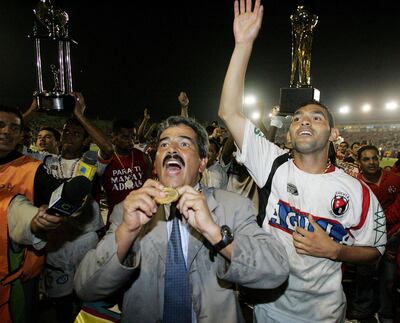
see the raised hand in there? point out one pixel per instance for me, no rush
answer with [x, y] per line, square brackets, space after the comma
[34, 105]
[275, 110]
[317, 243]
[80, 105]
[193, 207]
[183, 99]
[217, 134]
[146, 114]
[33, 110]
[139, 205]
[247, 23]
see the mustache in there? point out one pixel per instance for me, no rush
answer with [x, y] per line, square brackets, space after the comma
[175, 157]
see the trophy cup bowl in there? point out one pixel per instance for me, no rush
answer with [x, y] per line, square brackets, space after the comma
[55, 101]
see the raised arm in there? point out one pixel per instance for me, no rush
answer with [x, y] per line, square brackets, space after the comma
[184, 103]
[276, 123]
[246, 26]
[100, 139]
[32, 112]
[142, 127]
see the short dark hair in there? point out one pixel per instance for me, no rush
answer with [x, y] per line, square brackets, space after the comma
[364, 148]
[202, 137]
[119, 124]
[345, 142]
[331, 120]
[76, 122]
[54, 131]
[15, 111]
[354, 143]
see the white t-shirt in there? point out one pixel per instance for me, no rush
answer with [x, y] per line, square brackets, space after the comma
[335, 200]
[70, 242]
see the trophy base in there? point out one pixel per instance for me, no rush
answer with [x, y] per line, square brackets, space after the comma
[55, 102]
[292, 98]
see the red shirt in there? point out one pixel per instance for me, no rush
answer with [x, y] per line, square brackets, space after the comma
[122, 175]
[396, 168]
[387, 189]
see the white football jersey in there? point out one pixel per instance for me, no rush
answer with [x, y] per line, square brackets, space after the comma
[342, 206]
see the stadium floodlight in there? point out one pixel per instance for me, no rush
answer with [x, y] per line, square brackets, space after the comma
[250, 100]
[255, 115]
[366, 107]
[392, 105]
[344, 109]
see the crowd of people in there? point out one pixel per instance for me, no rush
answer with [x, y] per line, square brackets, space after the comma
[203, 223]
[386, 139]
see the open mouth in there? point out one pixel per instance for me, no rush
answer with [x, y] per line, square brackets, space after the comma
[173, 163]
[305, 133]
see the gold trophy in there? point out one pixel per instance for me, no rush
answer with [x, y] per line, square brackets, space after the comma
[300, 90]
[303, 24]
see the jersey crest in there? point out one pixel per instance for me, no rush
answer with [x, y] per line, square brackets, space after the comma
[339, 204]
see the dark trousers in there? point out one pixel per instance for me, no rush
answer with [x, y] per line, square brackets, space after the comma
[60, 309]
[387, 277]
[365, 292]
[31, 293]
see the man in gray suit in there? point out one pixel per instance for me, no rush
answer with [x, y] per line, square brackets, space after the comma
[221, 242]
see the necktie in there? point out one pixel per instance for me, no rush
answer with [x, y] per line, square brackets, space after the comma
[177, 296]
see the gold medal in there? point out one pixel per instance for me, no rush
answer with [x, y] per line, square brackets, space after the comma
[172, 195]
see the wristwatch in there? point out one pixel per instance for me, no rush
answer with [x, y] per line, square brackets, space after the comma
[227, 238]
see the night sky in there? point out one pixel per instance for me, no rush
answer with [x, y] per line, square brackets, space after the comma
[141, 54]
